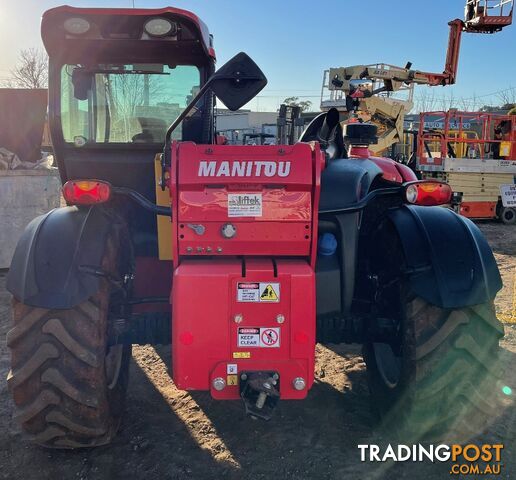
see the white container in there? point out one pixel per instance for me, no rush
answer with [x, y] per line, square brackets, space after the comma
[24, 194]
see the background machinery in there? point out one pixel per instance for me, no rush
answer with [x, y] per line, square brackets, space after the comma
[475, 153]
[239, 257]
[383, 93]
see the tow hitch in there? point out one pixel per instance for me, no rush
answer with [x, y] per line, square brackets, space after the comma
[260, 393]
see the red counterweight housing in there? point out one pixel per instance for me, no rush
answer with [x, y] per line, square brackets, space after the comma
[243, 291]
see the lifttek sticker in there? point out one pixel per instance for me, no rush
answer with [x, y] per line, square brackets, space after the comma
[244, 204]
[258, 337]
[258, 292]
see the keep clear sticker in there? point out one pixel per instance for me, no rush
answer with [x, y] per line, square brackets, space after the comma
[244, 204]
[248, 337]
[263, 337]
[258, 292]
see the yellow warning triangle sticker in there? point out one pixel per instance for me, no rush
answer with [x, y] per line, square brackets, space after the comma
[269, 295]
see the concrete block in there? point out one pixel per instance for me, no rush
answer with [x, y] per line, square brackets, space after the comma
[24, 194]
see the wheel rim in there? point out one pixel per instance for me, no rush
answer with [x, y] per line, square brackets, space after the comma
[388, 364]
[508, 215]
[113, 365]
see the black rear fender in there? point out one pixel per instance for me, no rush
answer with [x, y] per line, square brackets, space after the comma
[53, 262]
[450, 263]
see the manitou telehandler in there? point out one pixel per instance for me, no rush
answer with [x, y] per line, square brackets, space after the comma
[241, 257]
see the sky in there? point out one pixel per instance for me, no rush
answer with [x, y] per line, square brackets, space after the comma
[295, 41]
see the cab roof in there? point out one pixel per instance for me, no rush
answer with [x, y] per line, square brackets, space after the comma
[111, 26]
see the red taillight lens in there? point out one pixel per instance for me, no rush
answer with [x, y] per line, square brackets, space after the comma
[428, 193]
[86, 192]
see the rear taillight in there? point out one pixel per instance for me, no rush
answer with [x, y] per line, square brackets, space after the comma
[86, 192]
[428, 192]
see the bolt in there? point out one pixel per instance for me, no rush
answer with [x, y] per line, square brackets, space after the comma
[200, 249]
[238, 318]
[189, 249]
[260, 402]
[228, 230]
[219, 249]
[208, 249]
[280, 318]
[275, 376]
[243, 376]
[219, 384]
[299, 383]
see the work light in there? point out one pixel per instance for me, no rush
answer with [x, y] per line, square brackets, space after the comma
[76, 25]
[160, 27]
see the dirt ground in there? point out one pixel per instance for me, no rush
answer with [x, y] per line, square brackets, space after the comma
[168, 434]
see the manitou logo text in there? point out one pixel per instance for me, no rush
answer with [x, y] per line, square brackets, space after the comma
[244, 169]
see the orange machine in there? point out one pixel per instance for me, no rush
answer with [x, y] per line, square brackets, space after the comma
[475, 153]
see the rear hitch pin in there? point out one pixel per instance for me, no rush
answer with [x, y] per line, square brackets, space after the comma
[261, 400]
[260, 392]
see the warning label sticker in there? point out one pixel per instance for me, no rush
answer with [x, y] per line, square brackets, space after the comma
[232, 368]
[259, 337]
[241, 354]
[248, 337]
[269, 337]
[269, 292]
[248, 292]
[244, 204]
[258, 292]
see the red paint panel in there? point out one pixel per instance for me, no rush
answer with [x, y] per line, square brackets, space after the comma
[389, 169]
[211, 204]
[478, 209]
[252, 238]
[392, 171]
[205, 335]
[282, 179]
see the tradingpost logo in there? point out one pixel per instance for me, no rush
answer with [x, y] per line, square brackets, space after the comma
[465, 459]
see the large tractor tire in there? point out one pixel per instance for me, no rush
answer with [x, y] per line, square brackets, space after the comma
[67, 382]
[439, 380]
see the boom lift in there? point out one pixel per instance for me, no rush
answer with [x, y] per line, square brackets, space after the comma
[377, 102]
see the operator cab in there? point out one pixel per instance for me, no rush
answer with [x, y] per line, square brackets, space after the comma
[117, 80]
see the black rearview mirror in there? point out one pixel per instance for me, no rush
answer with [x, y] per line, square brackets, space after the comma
[238, 81]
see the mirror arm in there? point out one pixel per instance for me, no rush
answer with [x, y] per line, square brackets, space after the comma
[187, 110]
[165, 158]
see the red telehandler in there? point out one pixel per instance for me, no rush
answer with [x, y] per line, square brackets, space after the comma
[240, 257]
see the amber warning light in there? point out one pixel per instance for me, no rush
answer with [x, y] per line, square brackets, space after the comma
[86, 192]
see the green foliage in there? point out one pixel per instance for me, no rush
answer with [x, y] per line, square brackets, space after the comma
[305, 105]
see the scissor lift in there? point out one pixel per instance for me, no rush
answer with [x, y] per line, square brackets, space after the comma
[475, 153]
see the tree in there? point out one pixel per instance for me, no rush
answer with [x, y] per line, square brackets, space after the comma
[305, 105]
[31, 70]
[508, 96]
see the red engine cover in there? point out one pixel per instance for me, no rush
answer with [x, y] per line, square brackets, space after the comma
[227, 320]
[243, 291]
